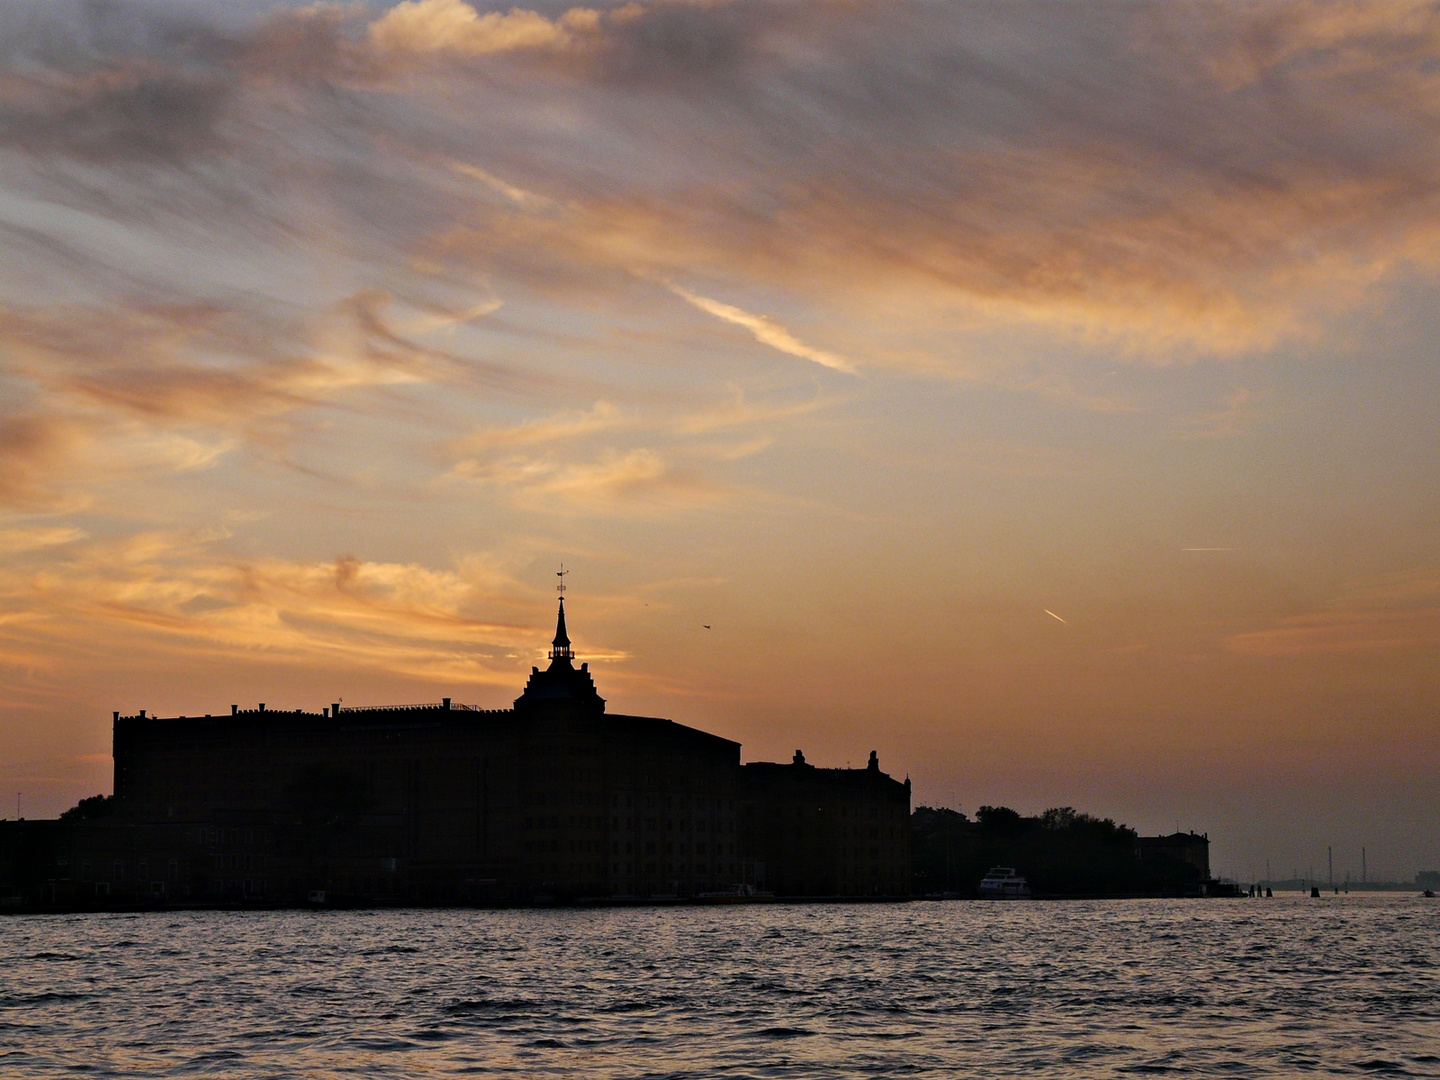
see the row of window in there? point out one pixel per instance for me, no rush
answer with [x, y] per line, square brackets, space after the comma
[700, 869]
[649, 824]
[807, 809]
[238, 862]
[233, 837]
[238, 887]
[652, 868]
[119, 870]
[651, 847]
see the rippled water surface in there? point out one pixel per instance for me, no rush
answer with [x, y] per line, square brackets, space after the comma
[1236, 987]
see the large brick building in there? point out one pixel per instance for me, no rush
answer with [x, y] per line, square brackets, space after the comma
[554, 799]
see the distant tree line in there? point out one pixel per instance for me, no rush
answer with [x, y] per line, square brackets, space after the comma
[1061, 852]
[91, 809]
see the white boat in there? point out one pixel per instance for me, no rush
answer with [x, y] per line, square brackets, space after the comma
[1003, 883]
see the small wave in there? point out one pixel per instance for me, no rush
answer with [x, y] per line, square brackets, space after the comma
[784, 1033]
[23, 1000]
[490, 1005]
[1150, 1067]
[628, 1007]
[216, 1055]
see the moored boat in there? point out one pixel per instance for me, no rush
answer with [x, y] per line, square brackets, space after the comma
[1003, 883]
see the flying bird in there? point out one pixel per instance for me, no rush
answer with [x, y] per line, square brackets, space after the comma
[706, 625]
[1054, 616]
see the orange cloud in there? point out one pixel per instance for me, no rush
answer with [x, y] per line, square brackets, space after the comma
[119, 390]
[456, 27]
[179, 593]
[640, 479]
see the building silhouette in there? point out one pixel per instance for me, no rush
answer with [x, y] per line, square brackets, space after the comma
[553, 800]
[827, 832]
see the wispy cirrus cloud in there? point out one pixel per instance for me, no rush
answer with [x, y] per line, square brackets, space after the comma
[1395, 613]
[609, 458]
[641, 479]
[110, 390]
[1167, 172]
[1341, 632]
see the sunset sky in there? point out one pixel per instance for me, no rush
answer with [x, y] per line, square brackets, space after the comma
[1044, 395]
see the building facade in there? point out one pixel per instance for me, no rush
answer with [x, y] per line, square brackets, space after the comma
[826, 832]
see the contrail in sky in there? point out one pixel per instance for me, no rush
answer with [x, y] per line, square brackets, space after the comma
[1054, 616]
[766, 330]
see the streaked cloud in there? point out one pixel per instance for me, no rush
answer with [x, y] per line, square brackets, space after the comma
[1397, 612]
[606, 458]
[641, 478]
[603, 416]
[766, 330]
[1342, 632]
[1176, 176]
[37, 537]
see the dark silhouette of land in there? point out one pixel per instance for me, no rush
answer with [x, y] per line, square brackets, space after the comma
[553, 801]
[1061, 852]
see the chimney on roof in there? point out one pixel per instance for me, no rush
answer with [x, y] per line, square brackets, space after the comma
[234, 709]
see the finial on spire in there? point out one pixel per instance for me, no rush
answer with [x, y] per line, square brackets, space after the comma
[561, 649]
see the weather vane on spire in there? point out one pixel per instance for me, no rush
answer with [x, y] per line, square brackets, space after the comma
[561, 575]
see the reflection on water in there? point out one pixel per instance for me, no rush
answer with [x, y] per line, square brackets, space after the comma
[1236, 987]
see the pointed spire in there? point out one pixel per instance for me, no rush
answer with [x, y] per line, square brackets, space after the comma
[562, 684]
[561, 650]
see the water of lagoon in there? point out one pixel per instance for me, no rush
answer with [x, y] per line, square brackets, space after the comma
[1251, 988]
